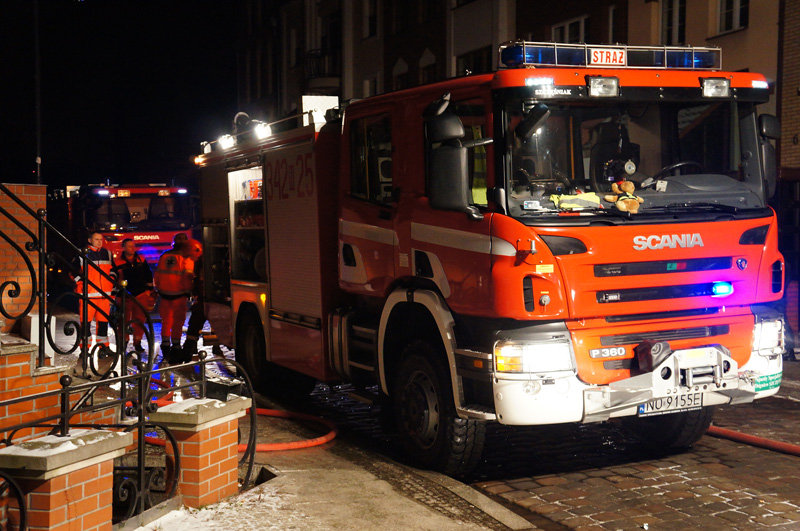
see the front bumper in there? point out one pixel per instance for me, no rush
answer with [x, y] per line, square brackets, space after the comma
[561, 397]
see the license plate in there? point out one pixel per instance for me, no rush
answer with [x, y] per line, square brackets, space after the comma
[671, 404]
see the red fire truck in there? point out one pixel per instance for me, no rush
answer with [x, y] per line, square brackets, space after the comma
[150, 214]
[581, 236]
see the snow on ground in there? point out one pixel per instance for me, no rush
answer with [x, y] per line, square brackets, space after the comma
[263, 507]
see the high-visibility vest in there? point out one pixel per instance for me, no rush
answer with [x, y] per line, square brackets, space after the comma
[98, 283]
[174, 275]
[577, 201]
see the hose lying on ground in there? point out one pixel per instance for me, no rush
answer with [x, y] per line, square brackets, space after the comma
[761, 442]
[262, 447]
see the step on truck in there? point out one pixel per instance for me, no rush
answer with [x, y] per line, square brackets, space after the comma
[581, 236]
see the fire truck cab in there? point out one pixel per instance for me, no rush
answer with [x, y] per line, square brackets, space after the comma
[580, 236]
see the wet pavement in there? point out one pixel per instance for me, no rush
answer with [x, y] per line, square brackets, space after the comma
[598, 480]
[557, 477]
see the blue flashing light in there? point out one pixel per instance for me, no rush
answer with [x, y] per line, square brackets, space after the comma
[521, 54]
[721, 289]
[101, 192]
[182, 190]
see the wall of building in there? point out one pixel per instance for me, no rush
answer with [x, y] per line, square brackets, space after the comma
[11, 262]
[753, 48]
[790, 90]
[535, 20]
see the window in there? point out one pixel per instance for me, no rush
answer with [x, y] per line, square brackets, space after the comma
[427, 74]
[673, 22]
[370, 86]
[474, 62]
[371, 158]
[294, 49]
[400, 76]
[403, 14]
[370, 10]
[401, 81]
[428, 10]
[571, 31]
[473, 116]
[427, 67]
[612, 12]
[733, 14]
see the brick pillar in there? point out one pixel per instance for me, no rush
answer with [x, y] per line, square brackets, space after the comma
[207, 434]
[68, 481]
[20, 377]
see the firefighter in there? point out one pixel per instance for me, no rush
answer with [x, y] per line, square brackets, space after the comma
[132, 267]
[173, 281]
[198, 314]
[98, 288]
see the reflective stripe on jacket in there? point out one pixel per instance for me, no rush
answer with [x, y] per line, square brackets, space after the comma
[174, 275]
[98, 283]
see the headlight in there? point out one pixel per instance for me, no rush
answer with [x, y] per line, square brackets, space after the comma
[510, 356]
[768, 337]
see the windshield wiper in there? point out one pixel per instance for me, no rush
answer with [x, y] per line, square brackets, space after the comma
[692, 206]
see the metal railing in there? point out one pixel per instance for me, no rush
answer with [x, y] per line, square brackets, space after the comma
[128, 382]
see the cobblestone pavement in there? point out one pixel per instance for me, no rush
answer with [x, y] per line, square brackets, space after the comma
[594, 477]
[598, 480]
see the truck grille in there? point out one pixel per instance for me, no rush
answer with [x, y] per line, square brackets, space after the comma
[656, 293]
[665, 335]
[663, 266]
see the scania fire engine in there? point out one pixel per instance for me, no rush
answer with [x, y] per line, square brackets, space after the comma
[150, 214]
[580, 236]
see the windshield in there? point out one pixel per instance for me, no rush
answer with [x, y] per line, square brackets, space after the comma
[663, 156]
[140, 212]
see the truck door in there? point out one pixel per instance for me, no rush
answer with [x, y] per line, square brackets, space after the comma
[367, 237]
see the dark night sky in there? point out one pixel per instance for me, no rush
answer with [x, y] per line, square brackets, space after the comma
[129, 88]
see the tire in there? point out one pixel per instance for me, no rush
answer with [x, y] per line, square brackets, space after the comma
[433, 436]
[676, 431]
[251, 350]
[267, 378]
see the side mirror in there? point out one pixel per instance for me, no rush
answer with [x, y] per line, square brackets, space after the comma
[449, 178]
[769, 127]
[532, 121]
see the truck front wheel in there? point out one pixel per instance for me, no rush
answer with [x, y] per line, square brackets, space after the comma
[432, 434]
[676, 431]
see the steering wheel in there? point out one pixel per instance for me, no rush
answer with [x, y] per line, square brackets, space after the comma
[558, 175]
[667, 169]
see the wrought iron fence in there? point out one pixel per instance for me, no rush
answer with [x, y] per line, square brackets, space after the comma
[127, 381]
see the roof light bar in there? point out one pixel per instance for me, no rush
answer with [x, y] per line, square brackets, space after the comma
[520, 54]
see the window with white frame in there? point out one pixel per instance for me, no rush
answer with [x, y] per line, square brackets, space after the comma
[733, 14]
[673, 22]
[571, 31]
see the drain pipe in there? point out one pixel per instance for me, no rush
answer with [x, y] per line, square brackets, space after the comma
[761, 442]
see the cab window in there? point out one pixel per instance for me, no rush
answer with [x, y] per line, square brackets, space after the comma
[473, 116]
[371, 158]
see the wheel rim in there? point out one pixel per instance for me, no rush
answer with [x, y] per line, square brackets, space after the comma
[420, 411]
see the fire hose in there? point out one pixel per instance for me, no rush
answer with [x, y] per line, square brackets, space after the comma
[261, 447]
[761, 442]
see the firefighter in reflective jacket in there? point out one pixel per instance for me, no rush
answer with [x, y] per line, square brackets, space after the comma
[98, 287]
[173, 281]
